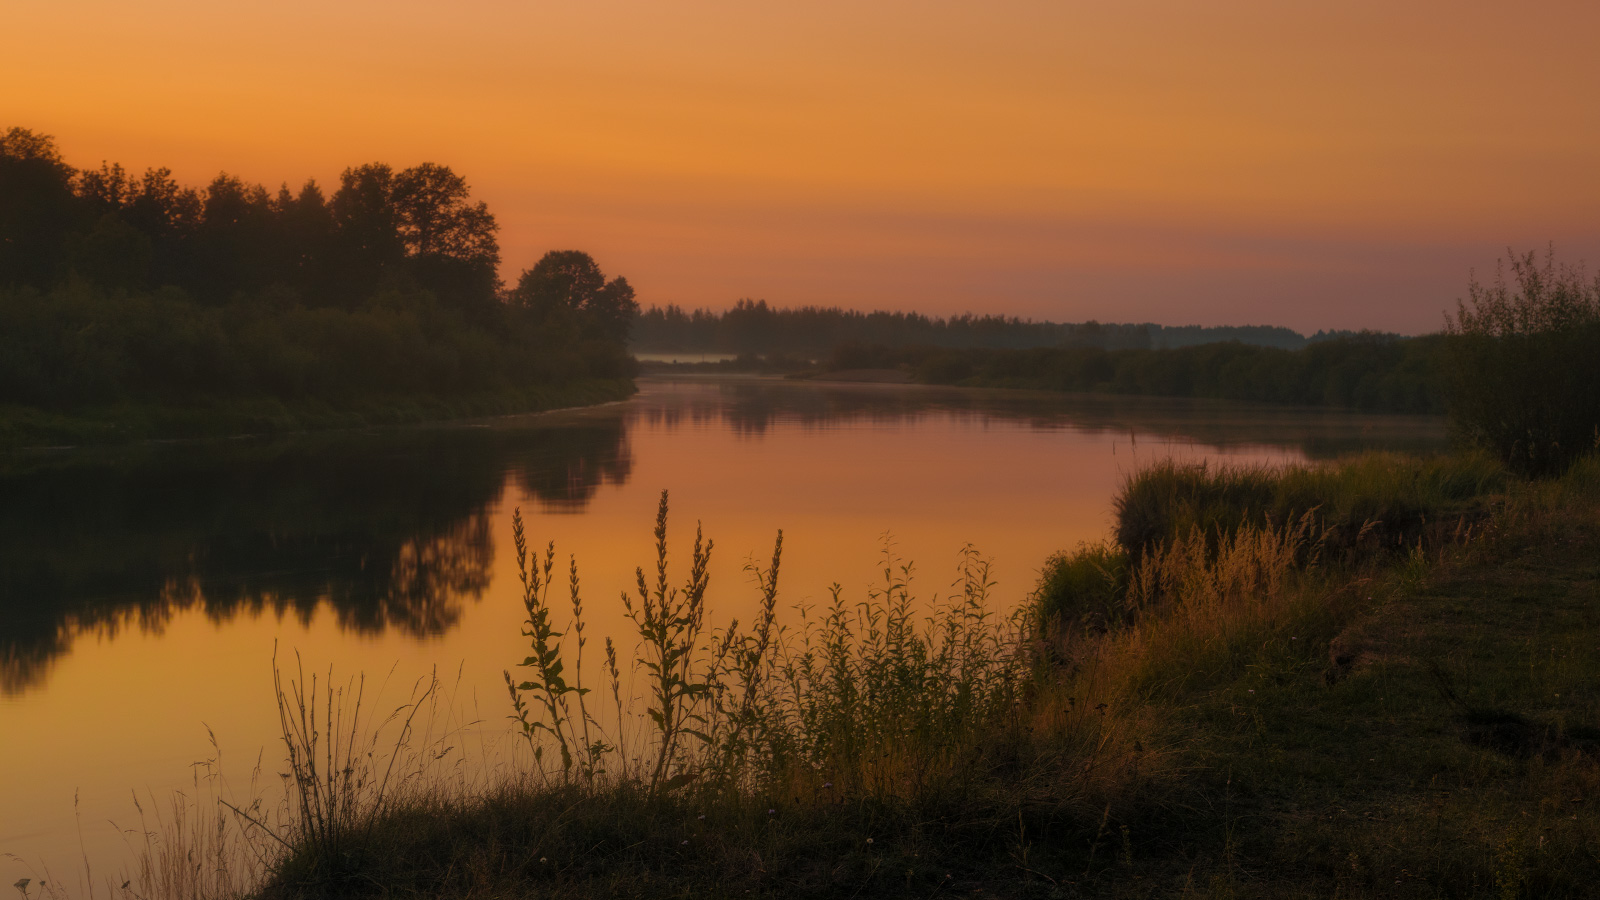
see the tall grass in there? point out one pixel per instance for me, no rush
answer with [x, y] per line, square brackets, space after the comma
[1360, 508]
[1371, 499]
[868, 696]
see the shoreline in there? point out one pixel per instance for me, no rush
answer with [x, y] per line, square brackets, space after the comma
[32, 430]
[1340, 729]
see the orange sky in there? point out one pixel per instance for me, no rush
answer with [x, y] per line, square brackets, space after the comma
[1312, 165]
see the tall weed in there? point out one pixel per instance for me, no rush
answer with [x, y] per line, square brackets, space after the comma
[871, 696]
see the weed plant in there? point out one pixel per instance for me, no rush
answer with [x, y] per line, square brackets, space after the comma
[870, 697]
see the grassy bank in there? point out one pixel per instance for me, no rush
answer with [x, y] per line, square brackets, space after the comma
[22, 426]
[1285, 714]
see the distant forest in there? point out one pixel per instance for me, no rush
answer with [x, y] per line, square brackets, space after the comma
[1376, 373]
[753, 327]
[1357, 370]
[119, 288]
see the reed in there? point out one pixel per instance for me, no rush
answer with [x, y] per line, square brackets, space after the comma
[1361, 503]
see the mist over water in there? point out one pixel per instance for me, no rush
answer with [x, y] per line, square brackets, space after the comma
[142, 590]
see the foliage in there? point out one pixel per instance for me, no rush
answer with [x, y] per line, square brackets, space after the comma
[567, 290]
[1085, 589]
[1521, 362]
[118, 289]
[36, 209]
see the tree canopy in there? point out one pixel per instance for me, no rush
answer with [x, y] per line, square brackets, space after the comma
[382, 228]
[567, 285]
[114, 285]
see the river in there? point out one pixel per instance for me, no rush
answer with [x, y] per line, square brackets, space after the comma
[143, 590]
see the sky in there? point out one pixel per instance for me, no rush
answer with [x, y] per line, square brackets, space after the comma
[1313, 165]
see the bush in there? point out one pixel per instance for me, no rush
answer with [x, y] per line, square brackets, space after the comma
[1521, 366]
[1169, 499]
[1087, 588]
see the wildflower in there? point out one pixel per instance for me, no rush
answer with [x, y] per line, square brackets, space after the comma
[772, 812]
[869, 840]
[543, 860]
[827, 785]
[702, 816]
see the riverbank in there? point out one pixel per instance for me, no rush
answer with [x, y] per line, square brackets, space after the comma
[1413, 720]
[1373, 373]
[23, 427]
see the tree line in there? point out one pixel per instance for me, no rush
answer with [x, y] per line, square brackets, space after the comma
[1514, 368]
[1373, 372]
[116, 286]
[754, 327]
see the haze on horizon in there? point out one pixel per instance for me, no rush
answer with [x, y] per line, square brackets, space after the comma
[1339, 166]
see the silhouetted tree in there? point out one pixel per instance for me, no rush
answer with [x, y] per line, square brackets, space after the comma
[419, 223]
[37, 208]
[115, 289]
[369, 243]
[233, 240]
[567, 289]
[303, 235]
[449, 239]
[169, 215]
[107, 189]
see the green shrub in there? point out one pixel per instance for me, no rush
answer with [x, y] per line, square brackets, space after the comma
[1524, 384]
[1169, 499]
[1087, 588]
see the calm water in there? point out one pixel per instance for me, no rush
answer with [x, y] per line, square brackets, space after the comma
[142, 591]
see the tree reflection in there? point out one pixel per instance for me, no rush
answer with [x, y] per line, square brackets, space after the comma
[753, 407]
[388, 532]
[394, 531]
[563, 471]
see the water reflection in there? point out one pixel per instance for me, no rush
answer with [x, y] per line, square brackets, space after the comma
[392, 531]
[752, 406]
[388, 531]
